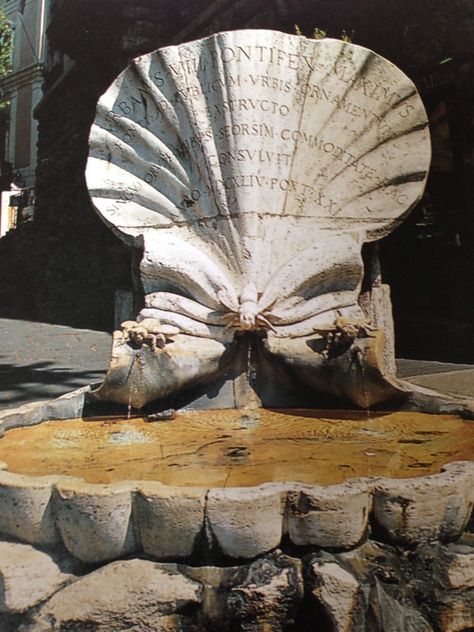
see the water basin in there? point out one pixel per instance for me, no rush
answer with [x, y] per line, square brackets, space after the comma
[235, 448]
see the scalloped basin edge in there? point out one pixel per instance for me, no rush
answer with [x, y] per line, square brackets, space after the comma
[98, 523]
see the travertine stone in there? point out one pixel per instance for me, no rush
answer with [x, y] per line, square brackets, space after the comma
[26, 511]
[456, 614]
[95, 521]
[444, 579]
[26, 415]
[252, 166]
[433, 402]
[392, 610]
[340, 595]
[169, 519]
[414, 510]
[125, 595]
[375, 586]
[263, 595]
[215, 581]
[329, 517]
[391, 598]
[380, 314]
[67, 406]
[456, 566]
[27, 577]
[246, 522]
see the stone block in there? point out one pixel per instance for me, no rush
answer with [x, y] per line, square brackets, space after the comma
[95, 521]
[125, 595]
[67, 406]
[456, 566]
[26, 415]
[414, 510]
[333, 517]
[26, 511]
[456, 612]
[381, 316]
[263, 595]
[27, 577]
[169, 519]
[393, 609]
[340, 594]
[246, 521]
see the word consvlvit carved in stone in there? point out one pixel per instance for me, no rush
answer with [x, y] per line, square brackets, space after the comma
[251, 167]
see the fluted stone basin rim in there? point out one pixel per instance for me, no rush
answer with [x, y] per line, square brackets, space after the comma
[97, 523]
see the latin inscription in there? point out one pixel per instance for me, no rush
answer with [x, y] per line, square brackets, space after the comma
[261, 130]
[356, 105]
[303, 192]
[342, 70]
[248, 105]
[250, 155]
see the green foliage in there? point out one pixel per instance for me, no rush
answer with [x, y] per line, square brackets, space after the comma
[321, 34]
[6, 44]
[298, 31]
[346, 37]
[318, 33]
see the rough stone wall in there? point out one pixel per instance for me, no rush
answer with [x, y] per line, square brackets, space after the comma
[373, 588]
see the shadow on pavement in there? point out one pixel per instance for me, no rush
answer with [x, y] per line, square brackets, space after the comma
[25, 383]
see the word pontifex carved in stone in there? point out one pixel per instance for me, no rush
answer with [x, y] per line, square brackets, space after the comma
[251, 167]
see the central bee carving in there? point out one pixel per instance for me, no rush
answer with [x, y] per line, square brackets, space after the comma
[248, 314]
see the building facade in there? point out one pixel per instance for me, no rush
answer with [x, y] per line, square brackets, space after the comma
[22, 90]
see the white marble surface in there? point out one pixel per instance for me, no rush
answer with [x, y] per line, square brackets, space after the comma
[257, 158]
[251, 167]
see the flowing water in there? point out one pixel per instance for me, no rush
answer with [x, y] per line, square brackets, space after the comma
[135, 379]
[241, 448]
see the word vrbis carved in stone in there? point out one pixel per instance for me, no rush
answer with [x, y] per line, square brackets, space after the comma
[251, 167]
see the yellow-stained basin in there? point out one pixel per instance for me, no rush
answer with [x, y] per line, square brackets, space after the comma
[232, 448]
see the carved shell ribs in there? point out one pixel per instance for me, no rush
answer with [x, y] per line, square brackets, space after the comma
[252, 166]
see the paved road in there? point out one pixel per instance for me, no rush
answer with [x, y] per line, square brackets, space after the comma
[40, 361]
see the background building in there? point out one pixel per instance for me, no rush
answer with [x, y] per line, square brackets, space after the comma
[68, 266]
[22, 89]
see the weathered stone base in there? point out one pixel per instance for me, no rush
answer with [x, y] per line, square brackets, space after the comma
[372, 588]
[369, 555]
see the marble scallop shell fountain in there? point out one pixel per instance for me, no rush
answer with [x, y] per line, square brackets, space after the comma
[251, 176]
[255, 171]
